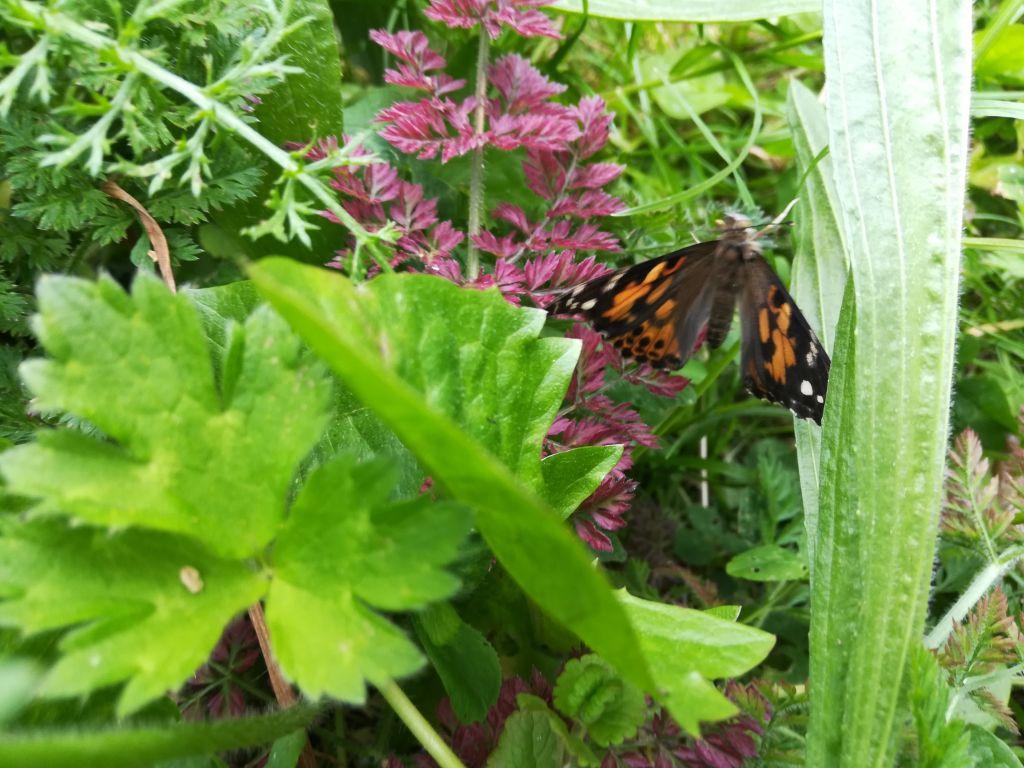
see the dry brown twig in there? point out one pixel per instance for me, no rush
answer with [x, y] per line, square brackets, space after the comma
[160, 253]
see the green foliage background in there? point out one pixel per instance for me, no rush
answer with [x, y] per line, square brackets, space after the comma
[309, 423]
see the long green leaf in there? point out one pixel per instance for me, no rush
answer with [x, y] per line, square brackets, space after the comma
[689, 10]
[139, 747]
[819, 270]
[898, 84]
[525, 535]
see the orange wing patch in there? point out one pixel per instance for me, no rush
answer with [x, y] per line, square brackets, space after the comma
[623, 301]
[773, 323]
[651, 342]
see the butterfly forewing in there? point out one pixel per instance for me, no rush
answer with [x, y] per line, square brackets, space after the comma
[782, 360]
[652, 312]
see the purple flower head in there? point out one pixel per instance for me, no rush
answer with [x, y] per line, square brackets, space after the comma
[521, 16]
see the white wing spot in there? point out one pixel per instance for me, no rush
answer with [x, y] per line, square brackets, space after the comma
[820, 399]
[613, 281]
[577, 290]
[588, 305]
[812, 354]
[806, 389]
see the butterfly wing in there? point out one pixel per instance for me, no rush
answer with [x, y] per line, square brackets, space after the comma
[653, 311]
[783, 361]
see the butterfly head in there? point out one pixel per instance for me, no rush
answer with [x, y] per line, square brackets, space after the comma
[735, 227]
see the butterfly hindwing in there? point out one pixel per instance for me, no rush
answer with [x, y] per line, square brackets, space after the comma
[653, 311]
[783, 361]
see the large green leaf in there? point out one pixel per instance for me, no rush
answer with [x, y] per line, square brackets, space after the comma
[147, 606]
[689, 10]
[687, 649]
[344, 550]
[190, 452]
[898, 84]
[452, 371]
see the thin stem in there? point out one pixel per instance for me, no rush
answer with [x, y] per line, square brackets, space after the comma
[418, 725]
[282, 690]
[981, 584]
[476, 176]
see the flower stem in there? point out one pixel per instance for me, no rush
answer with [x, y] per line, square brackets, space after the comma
[476, 175]
[418, 725]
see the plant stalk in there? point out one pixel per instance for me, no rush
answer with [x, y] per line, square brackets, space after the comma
[418, 725]
[476, 173]
[985, 579]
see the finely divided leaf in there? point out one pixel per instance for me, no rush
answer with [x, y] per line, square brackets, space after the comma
[147, 606]
[188, 453]
[345, 550]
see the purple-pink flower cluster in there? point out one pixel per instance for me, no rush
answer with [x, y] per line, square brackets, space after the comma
[536, 253]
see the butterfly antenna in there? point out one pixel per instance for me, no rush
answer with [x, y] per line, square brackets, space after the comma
[777, 221]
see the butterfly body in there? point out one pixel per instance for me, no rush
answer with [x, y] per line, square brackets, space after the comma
[654, 312]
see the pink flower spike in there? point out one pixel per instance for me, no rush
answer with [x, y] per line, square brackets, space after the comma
[514, 215]
[595, 175]
[504, 247]
[411, 212]
[588, 237]
[521, 85]
[464, 14]
[520, 15]
[410, 47]
[526, 22]
[587, 531]
[594, 122]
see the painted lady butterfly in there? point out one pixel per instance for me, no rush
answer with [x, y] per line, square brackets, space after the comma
[653, 313]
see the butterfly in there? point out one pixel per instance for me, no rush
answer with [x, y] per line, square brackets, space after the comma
[653, 313]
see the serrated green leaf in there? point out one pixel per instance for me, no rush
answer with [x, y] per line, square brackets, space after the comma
[685, 649]
[147, 606]
[590, 691]
[344, 550]
[183, 445]
[767, 563]
[571, 476]
[466, 663]
[478, 359]
[527, 741]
